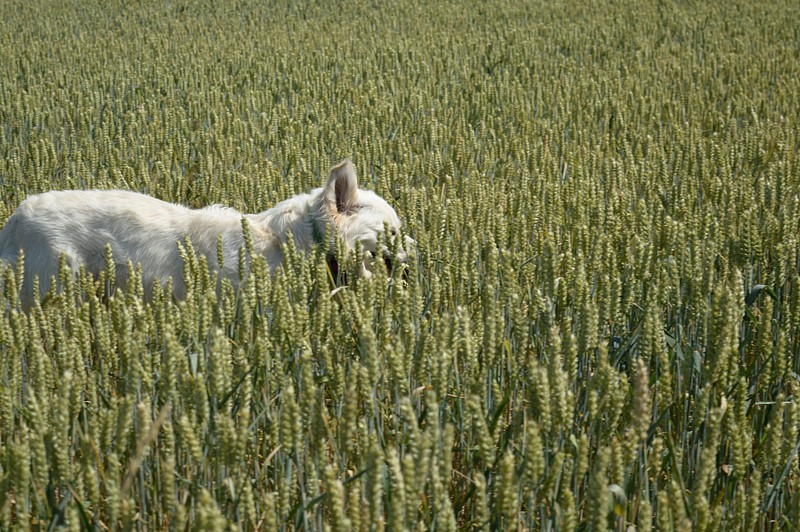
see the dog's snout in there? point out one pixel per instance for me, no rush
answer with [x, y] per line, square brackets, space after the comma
[397, 262]
[401, 257]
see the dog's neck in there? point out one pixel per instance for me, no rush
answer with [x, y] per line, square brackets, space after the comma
[318, 228]
[317, 233]
[304, 216]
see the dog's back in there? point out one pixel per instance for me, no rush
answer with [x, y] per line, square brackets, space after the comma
[80, 224]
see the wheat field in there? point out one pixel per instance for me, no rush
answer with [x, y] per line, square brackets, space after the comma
[600, 329]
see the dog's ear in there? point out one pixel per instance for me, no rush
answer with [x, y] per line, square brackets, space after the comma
[341, 190]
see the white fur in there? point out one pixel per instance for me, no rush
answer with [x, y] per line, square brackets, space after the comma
[146, 231]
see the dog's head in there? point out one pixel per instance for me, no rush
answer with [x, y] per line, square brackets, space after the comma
[360, 216]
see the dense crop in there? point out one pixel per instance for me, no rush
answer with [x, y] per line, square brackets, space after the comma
[597, 191]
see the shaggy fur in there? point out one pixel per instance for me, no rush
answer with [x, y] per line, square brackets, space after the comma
[146, 231]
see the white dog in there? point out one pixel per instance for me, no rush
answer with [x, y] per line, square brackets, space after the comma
[146, 231]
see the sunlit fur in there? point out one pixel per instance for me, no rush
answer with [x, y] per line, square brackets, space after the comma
[147, 231]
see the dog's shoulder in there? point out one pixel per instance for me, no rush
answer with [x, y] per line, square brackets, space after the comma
[220, 210]
[287, 211]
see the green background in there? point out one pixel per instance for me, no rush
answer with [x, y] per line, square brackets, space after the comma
[594, 188]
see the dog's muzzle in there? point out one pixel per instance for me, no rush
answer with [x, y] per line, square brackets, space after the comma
[393, 262]
[401, 259]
